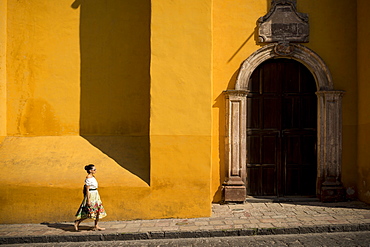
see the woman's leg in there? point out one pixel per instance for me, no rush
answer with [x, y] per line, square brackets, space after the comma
[77, 223]
[96, 223]
[83, 210]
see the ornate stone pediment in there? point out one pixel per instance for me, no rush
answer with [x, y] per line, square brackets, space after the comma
[283, 23]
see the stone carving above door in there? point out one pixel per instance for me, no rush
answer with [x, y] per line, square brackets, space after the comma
[283, 23]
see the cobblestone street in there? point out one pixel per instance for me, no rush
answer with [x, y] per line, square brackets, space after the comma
[346, 239]
[226, 221]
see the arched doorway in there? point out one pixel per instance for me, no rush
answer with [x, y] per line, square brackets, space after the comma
[281, 130]
[329, 123]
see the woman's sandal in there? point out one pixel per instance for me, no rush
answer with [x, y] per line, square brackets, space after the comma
[76, 225]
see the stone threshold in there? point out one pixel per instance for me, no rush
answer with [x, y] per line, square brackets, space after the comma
[269, 199]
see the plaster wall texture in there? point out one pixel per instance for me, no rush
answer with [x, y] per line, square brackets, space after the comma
[234, 24]
[135, 87]
[123, 85]
[3, 37]
[363, 61]
[181, 118]
[43, 66]
[333, 34]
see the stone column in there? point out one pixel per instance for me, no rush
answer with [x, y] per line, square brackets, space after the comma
[235, 143]
[329, 144]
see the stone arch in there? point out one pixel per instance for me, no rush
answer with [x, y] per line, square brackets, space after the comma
[299, 52]
[329, 123]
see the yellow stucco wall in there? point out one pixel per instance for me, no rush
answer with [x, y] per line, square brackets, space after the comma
[112, 83]
[135, 87]
[234, 24]
[363, 7]
[43, 68]
[332, 35]
[333, 31]
[181, 119]
[3, 37]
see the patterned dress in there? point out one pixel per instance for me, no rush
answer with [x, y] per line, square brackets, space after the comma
[96, 206]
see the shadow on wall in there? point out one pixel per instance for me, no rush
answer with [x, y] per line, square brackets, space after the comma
[115, 80]
[221, 105]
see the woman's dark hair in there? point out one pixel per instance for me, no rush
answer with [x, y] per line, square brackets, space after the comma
[89, 167]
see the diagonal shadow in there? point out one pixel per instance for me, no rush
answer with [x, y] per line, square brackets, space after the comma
[115, 80]
[344, 204]
[67, 227]
[245, 42]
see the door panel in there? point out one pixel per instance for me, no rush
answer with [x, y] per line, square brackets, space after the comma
[262, 166]
[281, 130]
[253, 113]
[268, 79]
[309, 119]
[268, 180]
[300, 162]
[289, 82]
[291, 107]
[255, 82]
[308, 149]
[269, 144]
[271, 112]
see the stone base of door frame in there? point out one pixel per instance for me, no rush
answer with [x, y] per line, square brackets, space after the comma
[234, 193]
[329, 193]
[332, 193]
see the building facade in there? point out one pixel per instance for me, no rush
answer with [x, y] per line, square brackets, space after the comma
[180, 104]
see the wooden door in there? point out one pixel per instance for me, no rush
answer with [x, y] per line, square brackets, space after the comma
[281, 130]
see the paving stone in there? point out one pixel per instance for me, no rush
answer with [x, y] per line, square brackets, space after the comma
[305, 219]
[170, 228]
[217, 222]
[129, 230]
[226, 220]
[265, 225]
[188, 228]
[268, 220]
[223, 227]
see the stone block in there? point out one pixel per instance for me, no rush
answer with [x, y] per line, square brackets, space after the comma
[235, 193]
[332, 194]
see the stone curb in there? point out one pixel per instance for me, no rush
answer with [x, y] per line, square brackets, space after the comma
[185, 234]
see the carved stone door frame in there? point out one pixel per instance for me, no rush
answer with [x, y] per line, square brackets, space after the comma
[329, 123]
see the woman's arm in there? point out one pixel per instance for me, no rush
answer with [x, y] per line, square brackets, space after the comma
[87, 194]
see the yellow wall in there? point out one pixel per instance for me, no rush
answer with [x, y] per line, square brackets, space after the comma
[43, 68]
[135, 87]
[112, 83]
[332, 35]
[181, 120]
[3, 36]
[363, 7]
[234, 24]
[333, 32]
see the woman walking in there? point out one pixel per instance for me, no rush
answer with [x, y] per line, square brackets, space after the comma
[91, 206]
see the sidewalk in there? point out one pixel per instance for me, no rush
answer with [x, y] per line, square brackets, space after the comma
[226, 220]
